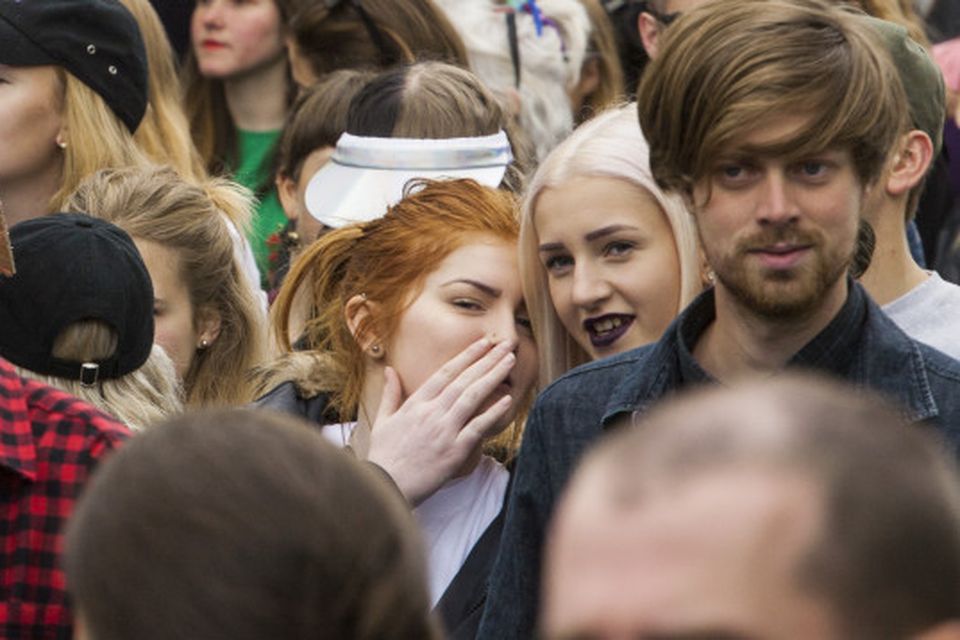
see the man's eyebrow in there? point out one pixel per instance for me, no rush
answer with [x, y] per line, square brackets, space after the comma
[493, 292]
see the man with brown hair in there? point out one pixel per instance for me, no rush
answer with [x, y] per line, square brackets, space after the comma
[773, 119]
[787, 507]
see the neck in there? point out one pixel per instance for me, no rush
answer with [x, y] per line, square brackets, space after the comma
[893, 271]
[28, 199]
[258, 100]
[740, 343]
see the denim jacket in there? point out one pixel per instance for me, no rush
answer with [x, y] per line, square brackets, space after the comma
[860, 345]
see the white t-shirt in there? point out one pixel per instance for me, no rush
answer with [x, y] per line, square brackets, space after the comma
[452, 519]
[930, 313]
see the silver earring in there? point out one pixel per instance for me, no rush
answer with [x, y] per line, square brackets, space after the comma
[204, 343]
[375, 349]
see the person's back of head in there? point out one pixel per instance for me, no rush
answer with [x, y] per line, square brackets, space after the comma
[78, 315]
[865, 509]
[239, 525]
[373, 34]
[427, 120]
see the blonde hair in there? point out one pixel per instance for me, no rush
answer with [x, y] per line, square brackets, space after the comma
[96, 138]
[138, 399]
[159, 206]
[164, 133]
[610, 145]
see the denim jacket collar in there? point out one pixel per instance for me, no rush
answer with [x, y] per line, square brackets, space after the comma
[860, 344]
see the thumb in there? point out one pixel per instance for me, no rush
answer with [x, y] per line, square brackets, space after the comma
[390, 398]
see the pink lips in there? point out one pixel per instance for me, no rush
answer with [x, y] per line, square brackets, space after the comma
[781, 256]
[605, 330]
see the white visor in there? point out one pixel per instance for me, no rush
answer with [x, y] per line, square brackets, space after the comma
[365, 175]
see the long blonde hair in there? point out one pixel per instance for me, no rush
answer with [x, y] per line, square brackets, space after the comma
[610, 145]
[96, 138]
[138, 399]
[157, 205]
[164, 133]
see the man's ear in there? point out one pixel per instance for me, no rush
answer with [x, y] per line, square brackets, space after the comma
[910, 164]
[287, 192]
[360, 311]
[208, 326]
[649, 29]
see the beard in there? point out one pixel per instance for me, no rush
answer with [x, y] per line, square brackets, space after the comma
[781, 294]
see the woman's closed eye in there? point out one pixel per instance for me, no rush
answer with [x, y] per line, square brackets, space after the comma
[469, 304]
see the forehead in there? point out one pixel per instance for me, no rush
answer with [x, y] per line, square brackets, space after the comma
[712, 556]
[789, 135]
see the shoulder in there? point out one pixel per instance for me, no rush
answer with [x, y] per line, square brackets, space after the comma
[70, 417]
[589, 378]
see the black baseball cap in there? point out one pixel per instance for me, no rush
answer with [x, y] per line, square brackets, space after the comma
[73, 267]
[98, 41]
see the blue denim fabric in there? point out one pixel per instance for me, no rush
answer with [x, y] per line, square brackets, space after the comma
[861, 345]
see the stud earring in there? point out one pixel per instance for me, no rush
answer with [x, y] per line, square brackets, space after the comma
[61, 142]
[376, 350]
[204, 344]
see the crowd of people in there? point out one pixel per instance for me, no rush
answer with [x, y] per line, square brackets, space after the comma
[493, 319]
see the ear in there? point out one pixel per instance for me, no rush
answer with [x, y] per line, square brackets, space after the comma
[208, 326]
[287, 192]
[589, 78]
[649, 29]
[360, 310]
[910, 163]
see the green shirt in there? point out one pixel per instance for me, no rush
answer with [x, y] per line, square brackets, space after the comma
[253, 171]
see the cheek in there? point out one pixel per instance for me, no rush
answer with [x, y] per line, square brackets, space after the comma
[174, 333]
[560, 296]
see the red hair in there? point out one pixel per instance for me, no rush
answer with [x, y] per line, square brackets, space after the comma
[386, 260]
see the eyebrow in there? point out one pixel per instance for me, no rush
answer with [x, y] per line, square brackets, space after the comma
[593, 235]
[493, 292]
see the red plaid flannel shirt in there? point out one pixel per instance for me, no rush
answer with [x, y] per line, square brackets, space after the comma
[49, 444]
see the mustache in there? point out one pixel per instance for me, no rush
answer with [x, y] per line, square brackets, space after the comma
[777, 235]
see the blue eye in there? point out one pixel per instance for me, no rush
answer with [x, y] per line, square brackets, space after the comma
[557, 264]
[619, 248]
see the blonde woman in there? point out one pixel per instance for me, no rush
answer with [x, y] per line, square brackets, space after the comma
[208, 318]
[72, 101]
[607, 259]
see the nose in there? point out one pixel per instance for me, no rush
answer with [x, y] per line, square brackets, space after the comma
[211, 15]
[503, 326]
[589, 287]
[776, 204]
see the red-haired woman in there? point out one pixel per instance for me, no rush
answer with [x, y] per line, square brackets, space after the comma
[420, 350]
